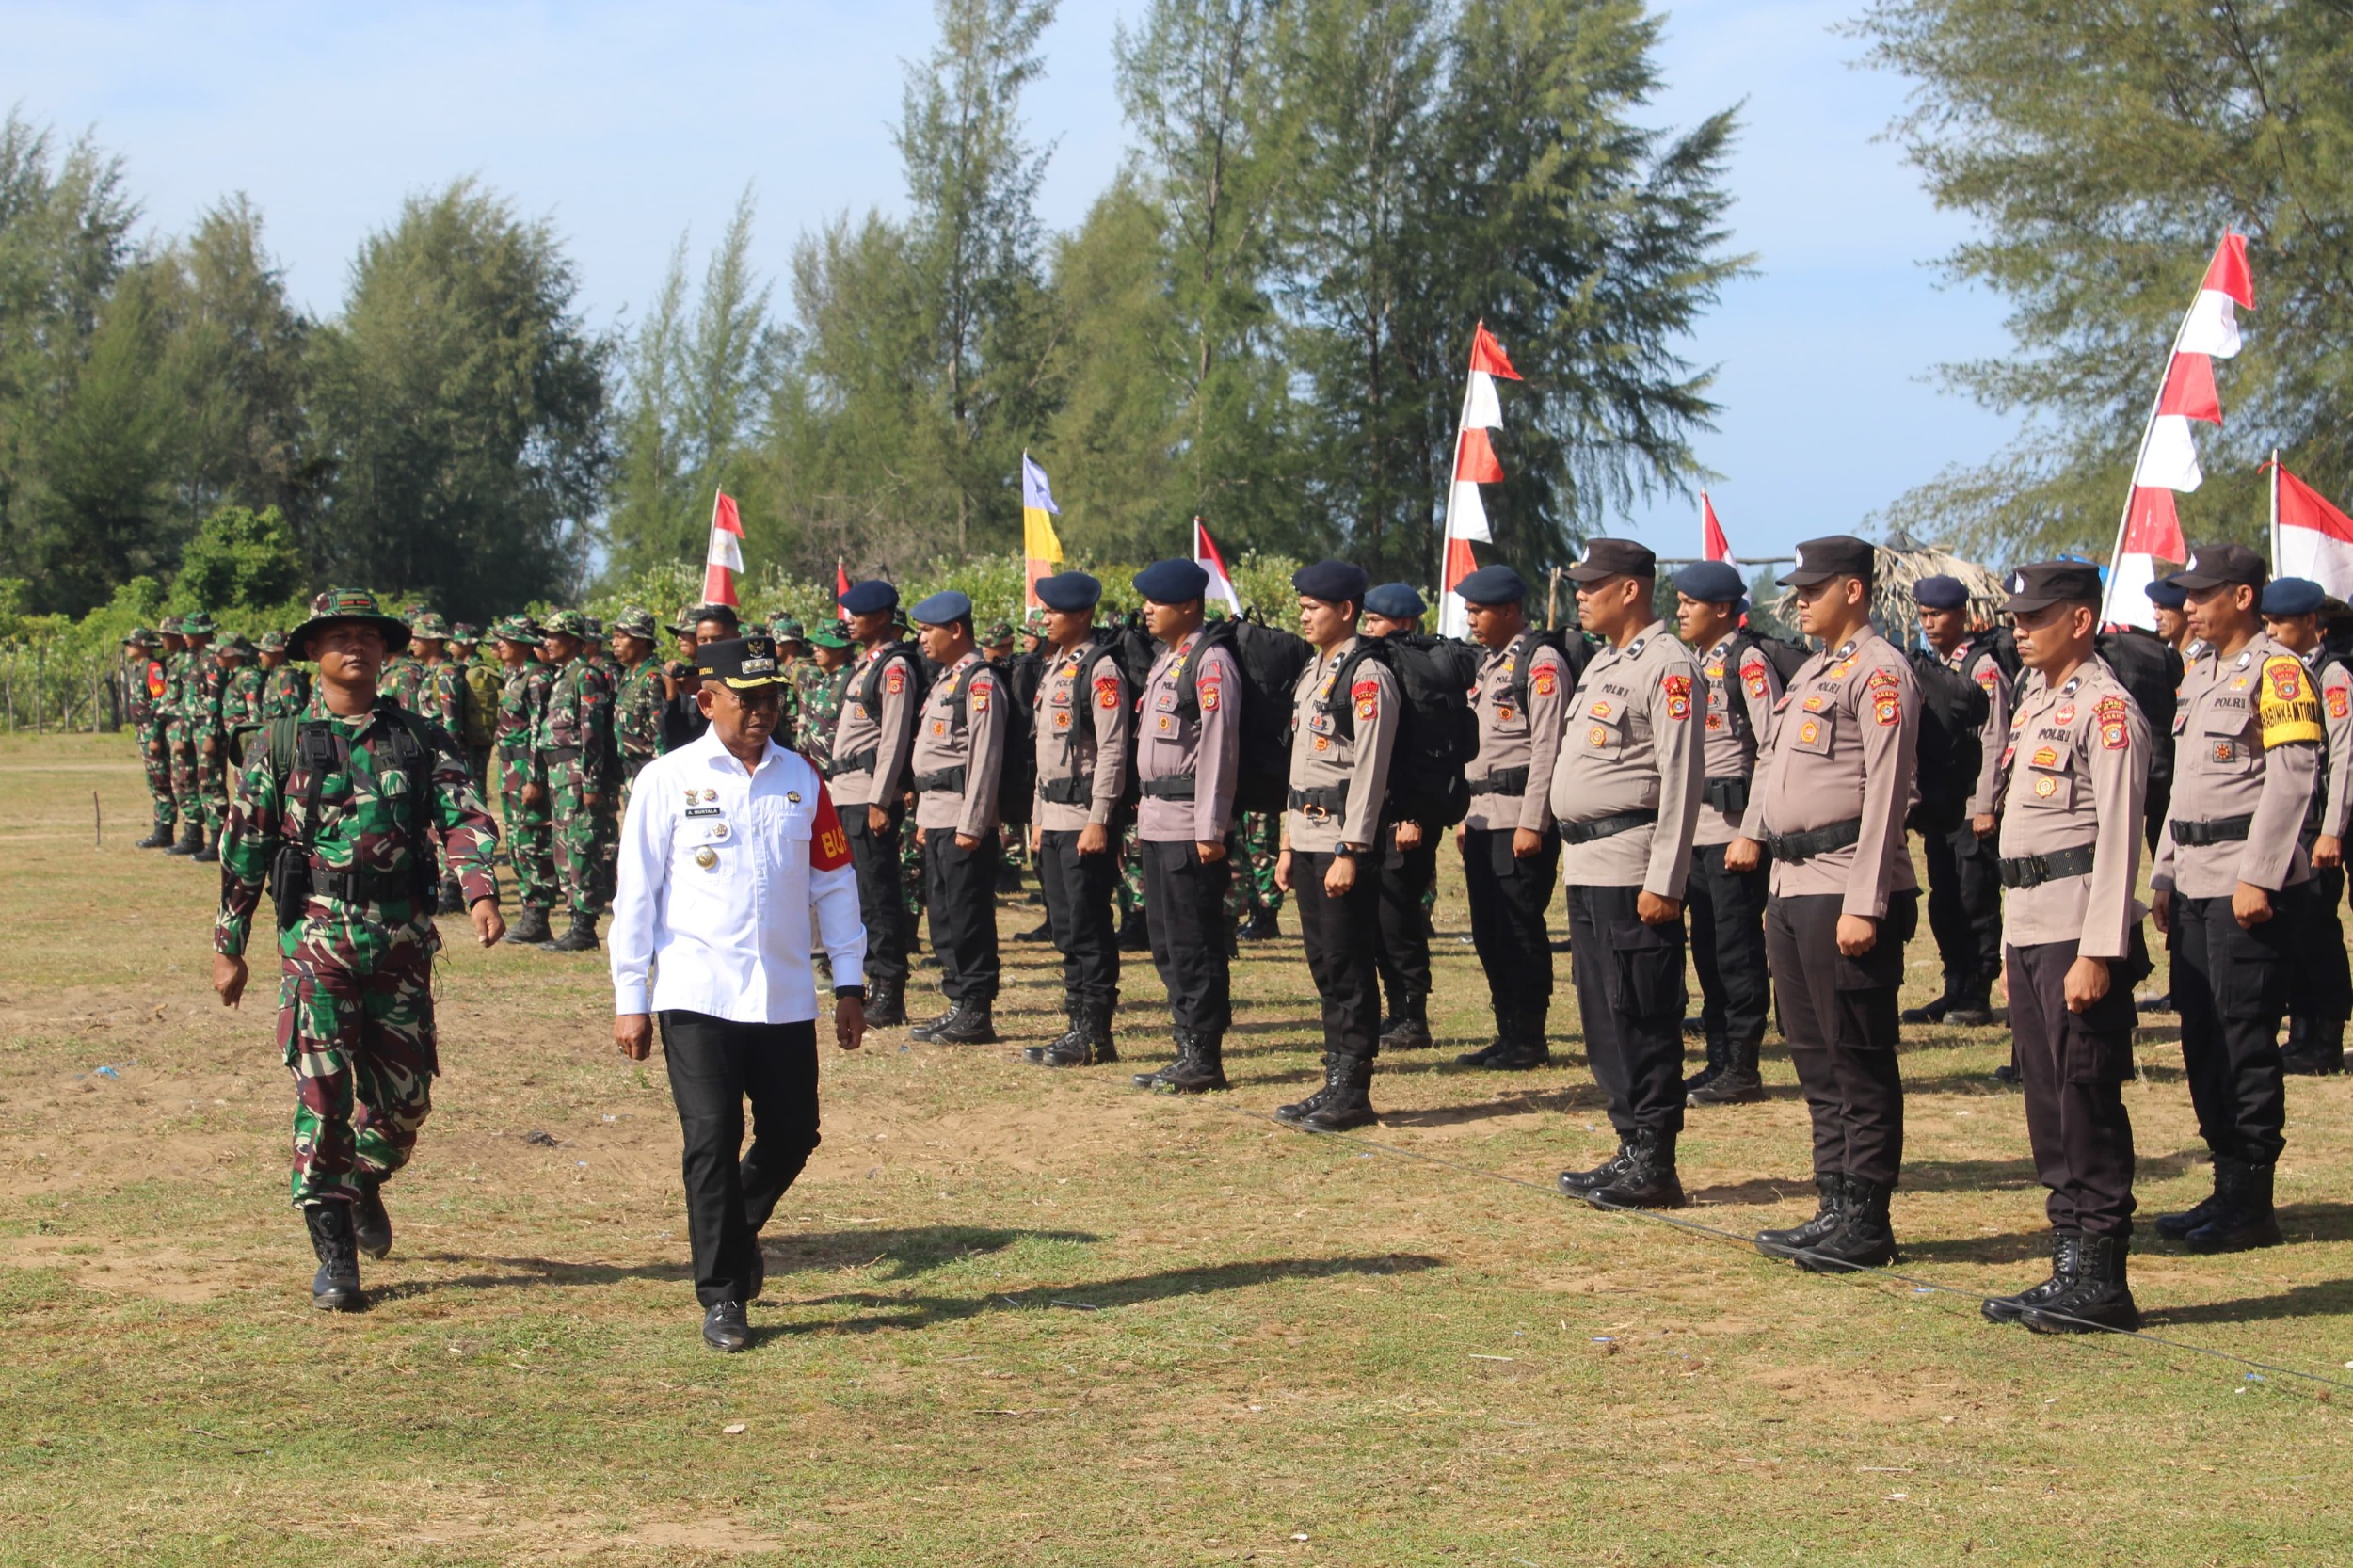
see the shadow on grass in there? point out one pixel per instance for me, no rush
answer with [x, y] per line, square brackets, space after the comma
[919, 1312]
[1520, 1104]
[2331, 1298]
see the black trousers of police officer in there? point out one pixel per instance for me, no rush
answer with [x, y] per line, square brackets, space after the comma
[2231, 986]
[2073, 1066]
[874, 855]
[1964, 902]
[960, 892]
[1078, 889]
[1184, 906]
[1840, 1018]
[1344, 936]
[1629, 996]
[1508, 899]
[1727, 913]
[715, 1065]
[1404, 876]
[2320, 988]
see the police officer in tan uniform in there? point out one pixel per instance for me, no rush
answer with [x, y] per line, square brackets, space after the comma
[2072, 778]
[1084, 726]
[1728, 876]
[868, 776]
[2321, 994]
[1832, 789]
[959, 754]
[1626, 791]
[2234, 883]
[1964, 893]
[1344, 723]
[1511, 850]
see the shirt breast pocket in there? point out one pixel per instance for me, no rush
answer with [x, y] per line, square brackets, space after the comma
[2225, 741]
[2049, 782]
[1812, 730]
[1605, 729]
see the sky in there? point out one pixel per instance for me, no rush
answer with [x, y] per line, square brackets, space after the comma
[627, 126]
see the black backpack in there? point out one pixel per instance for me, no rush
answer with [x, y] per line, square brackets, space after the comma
[1786, 657]
[1953, 710]
[922, 671]
[2150, 668]
[1575, 650]
[1016, 761]
[1439, 734]
[2001, 642]
[1270, 659]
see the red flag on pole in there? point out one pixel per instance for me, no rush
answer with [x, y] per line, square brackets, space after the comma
[724, 557]
[1713, 545]
[1487, 355]
[841, 579]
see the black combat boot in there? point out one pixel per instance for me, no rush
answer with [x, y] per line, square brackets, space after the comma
[1647, 1179]
[1260, 925]
[929, 1029]
[1863, 1239]
[1719, 1051]
[1577, 1183]
[2317, 1050]
[1973, 1006]
[1342, 1104]
[191, 840]
[967, 1023]
[1200, 1065]
[2097, 1298]
[336, 1286]
[1101, 1049]
[1739, 1083]
[2243, 1218]
[1410, 1028]
[371, 1225]
[160, 839]
[1519, 1044]
[530, 929]
[1042, 932]
[208, 850]
[1158, 1077]
[453, 900]
[1500, 1045]
[1073, 1038]
[2176, 1227]
[886, 1003]
[1933, 1013]
[1089, 1041]
[2066, 1251]
[1791, 1241]
[581, 938]
[1134, 936]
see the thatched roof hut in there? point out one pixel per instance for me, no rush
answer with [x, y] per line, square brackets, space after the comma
[1903, 561]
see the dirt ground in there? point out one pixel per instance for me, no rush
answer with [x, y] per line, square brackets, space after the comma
[1020, 1316]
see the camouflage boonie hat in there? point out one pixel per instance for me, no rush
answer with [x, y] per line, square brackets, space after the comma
[463, 632]
[517, 630]
[197, 624]
[635, 621]
[338, 604]
[168, 626]
[429, 625]
[239, 644]
[832, 634]
[139, 636]
[998, 631]
[592, 627]
[683, 624]
[786, 630]
[273, 642]
[566, 623]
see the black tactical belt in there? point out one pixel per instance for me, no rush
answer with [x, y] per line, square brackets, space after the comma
[949, 781]
[1066, 791]
[2033, 870]
[362, 887]
[1603, 827]
[1327, 799]
[858, 761]
[2222, 830]
[1727, 794]
[1176, 786]
[1793, 849]
[1503, 781]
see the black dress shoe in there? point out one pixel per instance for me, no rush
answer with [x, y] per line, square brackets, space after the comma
[726, 1328]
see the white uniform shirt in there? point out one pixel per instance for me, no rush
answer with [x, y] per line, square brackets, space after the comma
[723, 873]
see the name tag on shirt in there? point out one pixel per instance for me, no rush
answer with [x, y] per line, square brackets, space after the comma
[702, 812]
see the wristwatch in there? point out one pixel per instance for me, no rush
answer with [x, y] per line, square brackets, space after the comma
[1344, 852]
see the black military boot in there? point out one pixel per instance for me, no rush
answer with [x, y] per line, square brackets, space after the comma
[159, 839]
[453, 900]
[973, 1025]
[1577, 1183]
[1089, 1041]
[1973, 1006]
[2176, 1227]
[371, 1225]
[1101, 1049]
[1200, 1065]
[1933, 1013]
[1158, 1077]
[208, 850]
[1863, 1239]
[2317, 1050]
[1739, 1083]
[1519, 1044]
[1260, 925]
[1500, 1045]
[1042, 932]
[2243, 1218]
[1718, 1051]
[529, 928]
[2097, 1298]
[1793, 1239]
[1342, 1104]
[886, 1003]
[1647, 1179]
[1134, 936]
[2066, 1249]
[1073, 1038]
[1410, 1028]
[191, 840]
[581, 938]
[336, 1286]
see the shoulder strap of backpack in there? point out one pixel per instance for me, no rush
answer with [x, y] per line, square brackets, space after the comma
[1215, 633]
[1337, 703]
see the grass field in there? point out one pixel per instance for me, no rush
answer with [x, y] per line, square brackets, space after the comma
[1024, 1318]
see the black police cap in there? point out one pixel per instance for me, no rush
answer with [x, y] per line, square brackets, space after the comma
[1606, 558]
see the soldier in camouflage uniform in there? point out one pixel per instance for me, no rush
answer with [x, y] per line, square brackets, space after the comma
[1252, 898]
[241, 687]
[522, 788]
[144, 683]
[354, 793]
[820, 682]
[480, 680]
[1134, 936]
[179, 747]
[200, 711]
[637, 704]
[405, 671]
[441, 696]
[285, 687]
[583, 766]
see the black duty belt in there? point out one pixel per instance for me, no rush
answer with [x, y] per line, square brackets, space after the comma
[2222, 830]
[1503, 781]
[2033, 870]
[1603, 827]
[1327, 799]
[1176, 786]
[858, 761]
[1726, 794]
[362, 887]
[1792, 849]
[1066, 791]
[947, 781]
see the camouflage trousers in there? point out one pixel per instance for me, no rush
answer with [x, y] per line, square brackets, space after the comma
[212, 783]
[1253, 844]
[587, 840]
[911, 873]
[529, 849]
[183, 792]
[1130, 894]
[159, 782]
[355, 1023]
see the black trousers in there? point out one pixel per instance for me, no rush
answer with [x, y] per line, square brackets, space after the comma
[1343, 937]
[874, 855]
[1508, 900]
[1728, 912]
[2074, 1066]
[1078, 889]
[1404, 876]
[1629, 994]
[2320, 988]
[960, 891]
[1839, 1016]
[1184, 906]
[714, 1067]
[2231, 986]
[1964, 902]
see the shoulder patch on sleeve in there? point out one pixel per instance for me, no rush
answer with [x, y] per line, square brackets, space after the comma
[897, 681]
[1546, 680]
[1107, 691]
[2288, 713]
[828, 847]
[1989, 674]
[2109, 714]
[1887, 702]
[2340, 702]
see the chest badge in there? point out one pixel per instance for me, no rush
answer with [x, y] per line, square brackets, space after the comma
[2046, 786]
[706, 857]
[791, 797]
[2066, 713]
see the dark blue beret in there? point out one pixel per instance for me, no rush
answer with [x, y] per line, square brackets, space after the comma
[1495, 584]
[2165, 593]
[942, 607]
[1069, 590]
[1171, 582]
[1940, 592]
[2292, 596]
[1711, 583]
[1331, 581]
[866, 597]
[1396, 600]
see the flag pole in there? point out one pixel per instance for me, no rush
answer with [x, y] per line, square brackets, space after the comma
[1454, 467]
[2275, 509]
[2131, 486]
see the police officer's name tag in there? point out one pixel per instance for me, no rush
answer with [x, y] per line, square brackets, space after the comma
[702, 810]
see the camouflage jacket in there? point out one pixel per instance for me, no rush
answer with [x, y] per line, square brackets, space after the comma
[367, 825]
[522, 704]
[144, 683]
[438, 695]
[821, 712]
[201, 703]
[182, 702]
[637, 713]
[285, 690]
[403, 673]
[482, 680]
[241, 702]
[576, 735]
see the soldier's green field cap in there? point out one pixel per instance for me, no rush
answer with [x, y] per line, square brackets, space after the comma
[833, 634]
[517, 630]
[139, 636]
[998, 631]
[683, 624]
[347, 604]
[463, 632]
[564, 623]
[786, 630]
[168, 626]
[197, 624]
[742, 663]
[592, 627]
[429, 625]
[238, 645]
[273, 642]
[635, 621]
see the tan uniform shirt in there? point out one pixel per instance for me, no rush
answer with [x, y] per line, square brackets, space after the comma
[888, 733]
[1349, 759]
[1993, 734]
[2336, 713]
[960, 749]
[1742, 687]
[1203, 743]
[2246, 740]
[1631, 745]
[1082, 735]
[2076, 773]
[1845, 745]
[1516, 736]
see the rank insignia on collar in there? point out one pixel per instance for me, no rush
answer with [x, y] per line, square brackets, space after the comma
[2073, 682]
[1634, 648]
[1846, 650]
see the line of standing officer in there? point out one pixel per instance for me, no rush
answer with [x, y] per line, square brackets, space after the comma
[1404, 864]
[2321, 992]
[868, 776]
[955, 764]
[1964, 893]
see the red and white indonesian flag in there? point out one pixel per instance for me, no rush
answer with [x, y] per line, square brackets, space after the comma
[1206, 556]
[724, 557]
[1475, 464]
[1713, 545]
[2168, 465]
[2309, 537]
